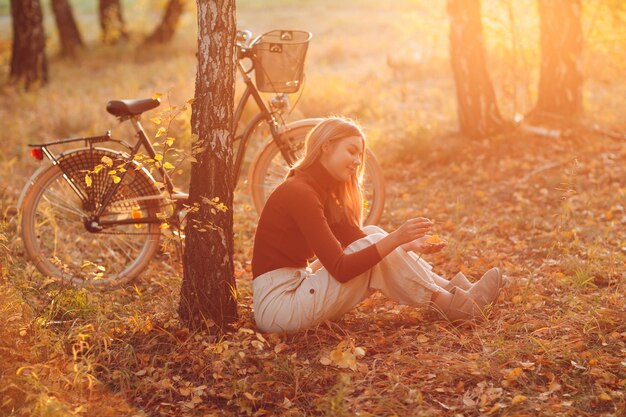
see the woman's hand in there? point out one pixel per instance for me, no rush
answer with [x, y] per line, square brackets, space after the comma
[411, 230]
[422, 246]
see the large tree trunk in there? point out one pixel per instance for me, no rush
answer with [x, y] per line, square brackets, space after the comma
[477, 107]
[111, 21]
[208, 291]
[69, 34]
[166, 29]
[561, 79]
[29, 65]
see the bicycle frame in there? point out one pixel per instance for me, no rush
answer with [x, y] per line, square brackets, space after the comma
[264, 115]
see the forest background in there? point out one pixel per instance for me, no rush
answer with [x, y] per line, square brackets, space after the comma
[549, 211]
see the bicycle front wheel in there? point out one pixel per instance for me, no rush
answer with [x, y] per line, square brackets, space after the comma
[269, 169]
[61, 241]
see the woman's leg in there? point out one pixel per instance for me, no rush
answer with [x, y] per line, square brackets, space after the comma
[292, 299]
[459, 280]
[439, 280]
[311, 300]
[400, 276]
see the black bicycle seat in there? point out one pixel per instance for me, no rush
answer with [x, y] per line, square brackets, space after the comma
[126, 108]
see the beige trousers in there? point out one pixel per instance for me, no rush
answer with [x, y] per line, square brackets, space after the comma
[293, 299]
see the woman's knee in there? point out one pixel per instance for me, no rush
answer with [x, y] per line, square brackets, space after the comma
[371, 229]
[364, 242]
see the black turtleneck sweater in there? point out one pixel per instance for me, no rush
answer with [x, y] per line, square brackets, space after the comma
[294, 227]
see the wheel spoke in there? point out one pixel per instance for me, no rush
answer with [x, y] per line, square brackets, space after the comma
[56, 200]
[54, 233]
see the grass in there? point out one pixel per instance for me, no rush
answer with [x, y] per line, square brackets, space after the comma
[549, 212]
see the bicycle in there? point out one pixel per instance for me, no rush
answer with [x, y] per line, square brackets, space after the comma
[92, 216]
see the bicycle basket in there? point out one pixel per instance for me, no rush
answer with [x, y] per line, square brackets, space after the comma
[279, 60]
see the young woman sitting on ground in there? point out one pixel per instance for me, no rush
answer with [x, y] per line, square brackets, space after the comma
[317, 211]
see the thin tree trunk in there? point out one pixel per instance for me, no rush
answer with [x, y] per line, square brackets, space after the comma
[69, 35]
[208, 291]
[477, 107]
[166, 29]
[29, 65]
[111, 21]
[561, 78]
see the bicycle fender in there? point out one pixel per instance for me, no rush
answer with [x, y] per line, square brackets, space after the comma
[42, 168]
[296, 124]
[30, 182]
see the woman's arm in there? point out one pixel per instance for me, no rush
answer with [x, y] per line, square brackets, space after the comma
[411, 230]
[420, 246]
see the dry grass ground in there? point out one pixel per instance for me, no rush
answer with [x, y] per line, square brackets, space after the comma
[550, 212]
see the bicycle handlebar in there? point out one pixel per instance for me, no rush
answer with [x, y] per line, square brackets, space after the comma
[243, 38]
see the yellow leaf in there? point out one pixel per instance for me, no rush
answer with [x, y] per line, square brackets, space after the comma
[518, 399]
[281, 347]
[107, 161]
[345, 356]
[160, 132]
[167, 165]
[434, 240]
[116, 179]
[157, 96]
[513, 374]
[170, 141]
[88, 180]
[158, 157]
[250, 396]
[336, 355]
[156, 120]
[325, 361]
[496, 407]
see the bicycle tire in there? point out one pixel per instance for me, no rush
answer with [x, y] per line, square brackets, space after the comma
[55, 235]
[269, 169]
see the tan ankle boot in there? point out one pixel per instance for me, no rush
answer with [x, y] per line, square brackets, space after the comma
[459, 281]
[492, 282]
[470, 305]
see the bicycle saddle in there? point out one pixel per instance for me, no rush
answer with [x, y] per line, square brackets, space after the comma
[126, 108]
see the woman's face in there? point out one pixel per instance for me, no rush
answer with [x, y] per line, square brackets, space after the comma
[342, 157]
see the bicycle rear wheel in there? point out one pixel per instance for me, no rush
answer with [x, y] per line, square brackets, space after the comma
[269, 169]
[56, 233]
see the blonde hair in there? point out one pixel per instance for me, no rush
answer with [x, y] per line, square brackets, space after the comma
[349, 194]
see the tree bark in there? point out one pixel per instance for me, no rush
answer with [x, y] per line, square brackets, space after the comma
[69, 35]
[111, 21]
[561, 79]
[476, 103]
[166, 29]
[29, 64]
[208, 291]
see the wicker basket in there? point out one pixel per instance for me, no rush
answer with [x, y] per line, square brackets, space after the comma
[279, 60]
